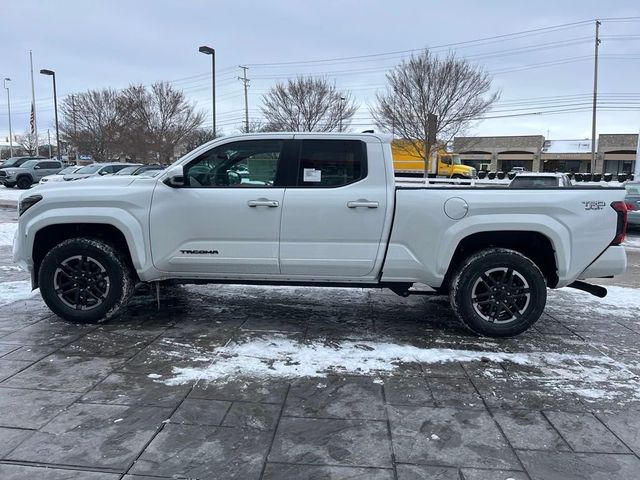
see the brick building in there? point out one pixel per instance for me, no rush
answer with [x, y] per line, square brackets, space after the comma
[615, 153]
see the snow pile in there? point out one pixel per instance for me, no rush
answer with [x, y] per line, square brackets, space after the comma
[7, 230]
[11, 292]
[12, 194]
[281, 357]
[620, 302]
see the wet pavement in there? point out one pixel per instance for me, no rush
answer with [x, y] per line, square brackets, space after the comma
[229, 382]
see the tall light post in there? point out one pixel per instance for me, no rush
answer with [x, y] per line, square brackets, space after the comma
[55, 106]
[211, 51]
[342, 100]
[9, 111]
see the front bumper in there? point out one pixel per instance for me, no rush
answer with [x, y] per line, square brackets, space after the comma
[613, 261]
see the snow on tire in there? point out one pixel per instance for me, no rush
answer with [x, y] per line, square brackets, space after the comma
[498, 292]
[85, 280]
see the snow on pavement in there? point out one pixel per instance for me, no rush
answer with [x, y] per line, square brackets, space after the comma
[632, 243]
[282, 357]
[620, 302]
[11, 292]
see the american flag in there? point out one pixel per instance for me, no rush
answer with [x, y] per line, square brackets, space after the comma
[32, 120]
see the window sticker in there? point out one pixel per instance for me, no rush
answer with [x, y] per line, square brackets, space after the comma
[312, 175]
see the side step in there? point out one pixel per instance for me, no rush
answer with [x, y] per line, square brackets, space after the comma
[596, 290]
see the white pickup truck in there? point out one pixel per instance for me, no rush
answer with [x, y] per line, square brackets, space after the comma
[320, 210]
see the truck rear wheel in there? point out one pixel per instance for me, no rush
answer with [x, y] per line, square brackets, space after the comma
[498, 292]
[85, 280]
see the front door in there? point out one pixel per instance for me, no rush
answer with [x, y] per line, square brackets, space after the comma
[226, 220]
[333, 218]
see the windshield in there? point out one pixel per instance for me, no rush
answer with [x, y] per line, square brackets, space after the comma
[15, 161]
[455, 159]
[633, 188]
[66, 170]
[90, 168]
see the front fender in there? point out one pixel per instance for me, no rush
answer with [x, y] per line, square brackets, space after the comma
[130, 226]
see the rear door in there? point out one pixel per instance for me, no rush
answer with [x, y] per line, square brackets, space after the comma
[334, 213]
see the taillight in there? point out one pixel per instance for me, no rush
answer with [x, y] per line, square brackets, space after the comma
[630, 206]
[621, 228]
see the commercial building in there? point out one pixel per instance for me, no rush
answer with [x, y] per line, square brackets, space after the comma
[615, 153]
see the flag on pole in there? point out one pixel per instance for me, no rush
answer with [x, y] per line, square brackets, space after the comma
[32, 120]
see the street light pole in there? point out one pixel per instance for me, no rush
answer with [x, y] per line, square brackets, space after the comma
[211, 51]
[55, 107]
[9, 111]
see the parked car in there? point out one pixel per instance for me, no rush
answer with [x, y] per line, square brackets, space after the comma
[540, 180]
[145, 170]
[59, 177]
[97, 170]
[316, 210]
[14, 162]
[517, 170]
[149, 170]
[632, 200]
[29, 172]
[129, 170]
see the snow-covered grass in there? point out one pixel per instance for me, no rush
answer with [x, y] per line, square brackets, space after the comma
[7, 230]
[282, 357]
[11, 292]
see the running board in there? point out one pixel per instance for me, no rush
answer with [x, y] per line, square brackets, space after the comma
[596, 290]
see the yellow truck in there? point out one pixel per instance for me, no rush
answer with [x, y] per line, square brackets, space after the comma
[407, 162]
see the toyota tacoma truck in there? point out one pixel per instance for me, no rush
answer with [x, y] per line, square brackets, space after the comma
[317, 210]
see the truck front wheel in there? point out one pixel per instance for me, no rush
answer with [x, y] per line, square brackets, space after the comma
[498, 292]
[85, 280]
[24, 182]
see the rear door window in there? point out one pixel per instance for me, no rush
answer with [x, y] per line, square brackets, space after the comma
[331, 163]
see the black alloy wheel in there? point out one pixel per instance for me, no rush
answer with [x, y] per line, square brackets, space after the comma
[498, 292]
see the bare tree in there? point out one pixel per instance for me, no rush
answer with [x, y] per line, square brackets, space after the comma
[157, 120]
[91, 121]
[307, 104]
[255, 126]
[28, 143]
[198, 137]
[454, 90]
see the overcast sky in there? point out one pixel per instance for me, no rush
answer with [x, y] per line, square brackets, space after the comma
[114, 43]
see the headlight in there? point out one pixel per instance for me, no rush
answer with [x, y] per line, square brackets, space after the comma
[28, 202]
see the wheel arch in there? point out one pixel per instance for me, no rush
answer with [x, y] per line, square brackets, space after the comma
[534, 245]
[52, 235]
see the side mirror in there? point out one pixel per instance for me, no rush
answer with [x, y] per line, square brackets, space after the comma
[102, 172]
[175, 177]
[37, 167]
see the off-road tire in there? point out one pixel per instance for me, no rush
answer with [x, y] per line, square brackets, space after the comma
[499, 281]
[65, 263]
[24, 182]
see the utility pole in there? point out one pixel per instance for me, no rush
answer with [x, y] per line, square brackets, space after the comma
[34, 125]
[49, 142]
[342, 100]
[595, 99]
[245, 82]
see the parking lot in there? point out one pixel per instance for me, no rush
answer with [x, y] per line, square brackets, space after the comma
[227, 382]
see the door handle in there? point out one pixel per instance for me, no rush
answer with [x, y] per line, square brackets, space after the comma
[263, 202]
[362, 203]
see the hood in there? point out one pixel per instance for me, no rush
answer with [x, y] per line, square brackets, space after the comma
[110, 183]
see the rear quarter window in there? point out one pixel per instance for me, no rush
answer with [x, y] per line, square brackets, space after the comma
[331, 163]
